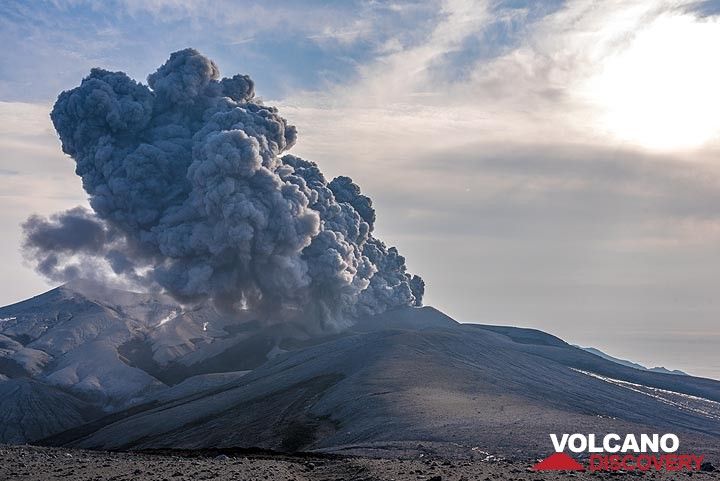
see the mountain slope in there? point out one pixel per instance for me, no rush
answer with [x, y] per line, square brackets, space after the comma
[502, 389]
[627, 363]
[33, 410]
[69, 336]
[111, 349]
[73, 347]
[108, 369]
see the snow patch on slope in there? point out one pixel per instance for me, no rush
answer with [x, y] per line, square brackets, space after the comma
[685, 402]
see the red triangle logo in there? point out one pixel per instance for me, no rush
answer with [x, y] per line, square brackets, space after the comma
[558, 462]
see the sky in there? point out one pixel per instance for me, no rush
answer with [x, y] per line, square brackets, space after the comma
[543, 164]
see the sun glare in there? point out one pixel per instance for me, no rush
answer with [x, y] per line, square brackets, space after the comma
[662, 90]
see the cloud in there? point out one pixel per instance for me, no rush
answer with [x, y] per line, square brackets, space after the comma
[61, 40]
[550, 76]
[191, 193]
[40, 173]
[556, 220]
[42, 182]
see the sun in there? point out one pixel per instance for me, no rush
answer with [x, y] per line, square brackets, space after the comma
[661, 89]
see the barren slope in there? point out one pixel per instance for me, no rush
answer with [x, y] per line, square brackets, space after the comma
[501, 389]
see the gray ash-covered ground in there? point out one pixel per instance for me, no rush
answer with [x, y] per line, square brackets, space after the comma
[23, 462]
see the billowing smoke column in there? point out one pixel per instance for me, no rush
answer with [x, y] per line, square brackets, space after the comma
[190, 195]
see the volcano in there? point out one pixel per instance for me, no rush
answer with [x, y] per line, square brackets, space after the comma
[91, 367]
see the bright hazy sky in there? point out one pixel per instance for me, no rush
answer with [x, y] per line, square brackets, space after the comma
[545, 164]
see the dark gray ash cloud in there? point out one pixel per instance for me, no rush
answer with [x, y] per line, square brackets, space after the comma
[191, 194]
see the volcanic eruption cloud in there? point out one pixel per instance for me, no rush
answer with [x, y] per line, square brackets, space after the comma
[191, 194]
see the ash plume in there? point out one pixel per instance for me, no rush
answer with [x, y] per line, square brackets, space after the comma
[191, 194]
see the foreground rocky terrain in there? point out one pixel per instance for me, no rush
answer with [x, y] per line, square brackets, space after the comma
[22, 462]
